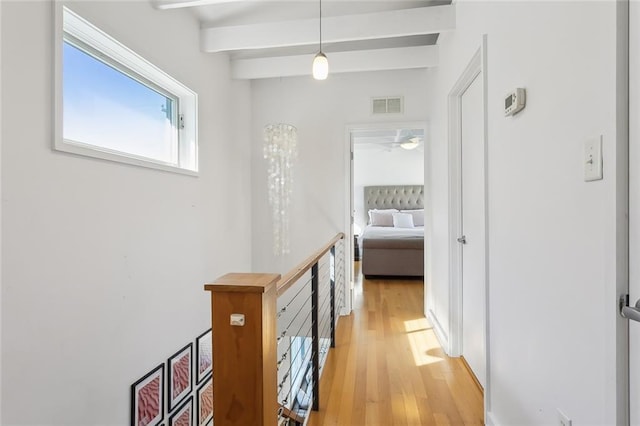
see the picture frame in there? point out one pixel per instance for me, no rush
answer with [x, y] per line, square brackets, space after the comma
[147, 398]
[180, 376]
[204, 399]
[204, 356]
[183, 416]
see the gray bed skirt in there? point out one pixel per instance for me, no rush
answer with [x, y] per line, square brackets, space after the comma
[393, 262]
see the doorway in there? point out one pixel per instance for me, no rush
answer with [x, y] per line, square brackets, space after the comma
[468, 221]
[388, 154]
[473, 238]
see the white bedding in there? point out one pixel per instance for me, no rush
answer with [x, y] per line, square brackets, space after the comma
[389, 232]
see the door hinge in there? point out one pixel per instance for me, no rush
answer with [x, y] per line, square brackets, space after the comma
[181, 121]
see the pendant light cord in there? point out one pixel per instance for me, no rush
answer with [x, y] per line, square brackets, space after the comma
[320, 26]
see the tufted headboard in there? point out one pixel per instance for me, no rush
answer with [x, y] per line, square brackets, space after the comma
[401, 197]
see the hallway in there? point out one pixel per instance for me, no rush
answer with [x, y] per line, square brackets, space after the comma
[388, 368]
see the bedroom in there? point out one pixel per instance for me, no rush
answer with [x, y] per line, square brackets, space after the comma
[388, 199]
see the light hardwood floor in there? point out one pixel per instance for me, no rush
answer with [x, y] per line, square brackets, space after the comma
[388, 368]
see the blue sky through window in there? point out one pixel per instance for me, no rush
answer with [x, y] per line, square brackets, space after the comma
[108, 109]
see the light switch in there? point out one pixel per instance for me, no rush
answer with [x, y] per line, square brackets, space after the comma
[237, 320]
[593, 159]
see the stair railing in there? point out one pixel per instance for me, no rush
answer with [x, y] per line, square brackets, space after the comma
[271, 337]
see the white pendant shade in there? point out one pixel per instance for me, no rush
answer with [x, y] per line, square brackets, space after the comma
[320, 67]
[411, 143]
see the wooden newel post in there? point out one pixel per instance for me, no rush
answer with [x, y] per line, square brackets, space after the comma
[243, 320]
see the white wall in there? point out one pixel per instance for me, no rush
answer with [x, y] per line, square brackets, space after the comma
[104, 263]
[380, 166]
[552, 237]
[1, 133]
[321, 111]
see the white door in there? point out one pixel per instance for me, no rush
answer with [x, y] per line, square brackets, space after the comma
[634, 208]
[473, 252]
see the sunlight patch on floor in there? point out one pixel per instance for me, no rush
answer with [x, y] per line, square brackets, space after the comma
[417, 324]
[421, 340]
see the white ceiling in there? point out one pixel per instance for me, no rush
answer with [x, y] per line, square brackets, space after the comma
[224, 13]
[385, 139]
[267, 38]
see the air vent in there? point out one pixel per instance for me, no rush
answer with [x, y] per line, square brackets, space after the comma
[389, 105]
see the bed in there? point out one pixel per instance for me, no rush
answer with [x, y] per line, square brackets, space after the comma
[392, 244]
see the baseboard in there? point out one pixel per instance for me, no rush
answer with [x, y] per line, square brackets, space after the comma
[472, 374]
[437, 328]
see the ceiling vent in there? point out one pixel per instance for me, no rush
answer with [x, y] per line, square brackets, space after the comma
[389, 105]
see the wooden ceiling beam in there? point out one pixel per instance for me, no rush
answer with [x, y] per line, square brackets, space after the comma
[339, 62]
[369, 26]
[179, 4]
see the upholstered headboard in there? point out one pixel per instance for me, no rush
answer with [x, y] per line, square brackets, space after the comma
[401, 197]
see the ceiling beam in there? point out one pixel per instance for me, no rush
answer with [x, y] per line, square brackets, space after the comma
[178, 4]
[339, 62]
[396, 23]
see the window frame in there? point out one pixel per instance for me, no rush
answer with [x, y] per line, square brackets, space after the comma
[80, 33]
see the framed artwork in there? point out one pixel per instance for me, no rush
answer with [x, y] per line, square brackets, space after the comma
[147, 398]
[204, 398]
[179, 379]
[183, 415]
[204, 355]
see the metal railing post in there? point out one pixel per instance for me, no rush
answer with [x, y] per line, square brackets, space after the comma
[315, 337]
[333, 297]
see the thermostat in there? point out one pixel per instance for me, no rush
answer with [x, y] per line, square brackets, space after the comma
[514, 102]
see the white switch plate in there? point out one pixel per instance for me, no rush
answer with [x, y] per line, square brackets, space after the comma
[593, 159]
[237, 320]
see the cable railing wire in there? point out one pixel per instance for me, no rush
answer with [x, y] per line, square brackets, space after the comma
[287, 352]
[285, 332]
[305, 362]
[323, 305]
[302, 287]
[289, 349]
[326, 304]
[303, 323]
[324, 313]
[305, 303]
[287, 373]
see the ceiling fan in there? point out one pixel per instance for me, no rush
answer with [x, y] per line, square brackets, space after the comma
[406, 139]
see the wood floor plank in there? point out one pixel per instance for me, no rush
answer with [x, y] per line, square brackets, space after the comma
[388, 369]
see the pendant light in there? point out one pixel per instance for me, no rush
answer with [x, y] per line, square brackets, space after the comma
[410, 143]
[320, 62]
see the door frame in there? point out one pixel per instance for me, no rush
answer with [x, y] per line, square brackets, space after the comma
[626, 154]
[348, 202]
[1, 148]
[476, 68]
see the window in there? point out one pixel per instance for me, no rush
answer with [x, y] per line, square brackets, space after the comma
[113, 104]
